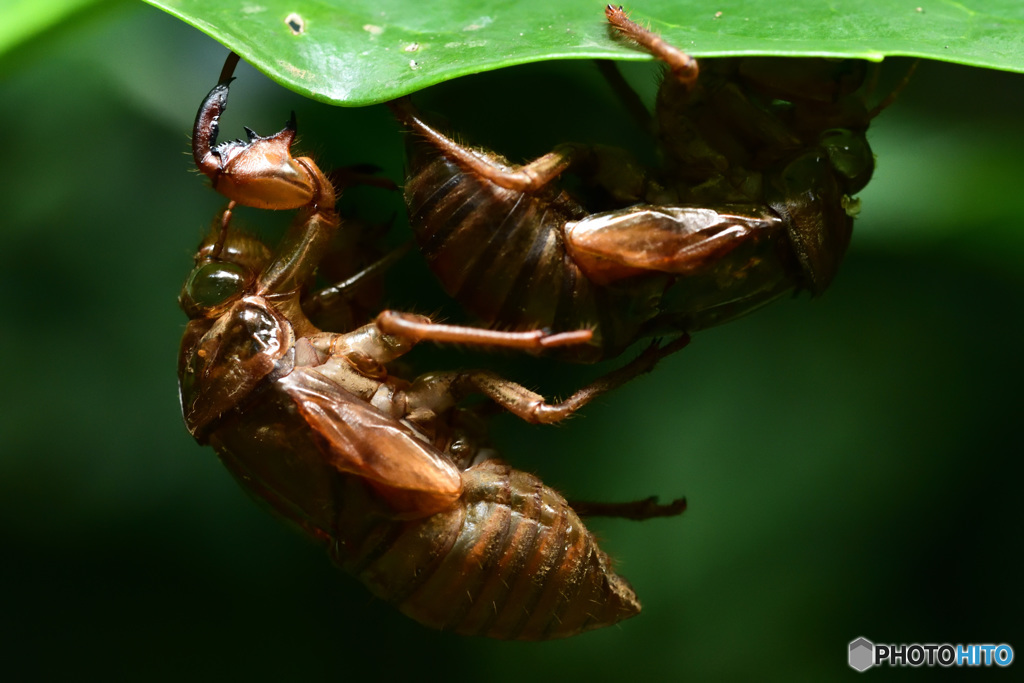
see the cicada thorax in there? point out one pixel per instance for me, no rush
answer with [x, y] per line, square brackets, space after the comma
[724, 261]
[744, 117]
[511, 560]
[501, 253]
[785, 133]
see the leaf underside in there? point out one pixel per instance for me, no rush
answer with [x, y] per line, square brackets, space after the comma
[357, 53]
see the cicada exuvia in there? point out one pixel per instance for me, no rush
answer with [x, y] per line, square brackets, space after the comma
[754, 198]
[394, 476]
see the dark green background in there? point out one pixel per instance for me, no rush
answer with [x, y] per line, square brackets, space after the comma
[852, 463]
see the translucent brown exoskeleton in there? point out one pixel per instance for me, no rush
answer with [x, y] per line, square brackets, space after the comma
[761, 159]
[394, 477]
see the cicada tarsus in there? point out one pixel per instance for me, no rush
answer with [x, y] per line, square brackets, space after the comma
[761, 159]
[393, 476]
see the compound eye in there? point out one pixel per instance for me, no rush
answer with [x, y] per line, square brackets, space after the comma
[214, 284]
[850, 156]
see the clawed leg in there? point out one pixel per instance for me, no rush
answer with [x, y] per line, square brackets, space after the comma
[417, 328]
[611, 168]
[436, 392]
[530, 178]
[261, 173]
[637, 510]
[533, 408]
[682, 66]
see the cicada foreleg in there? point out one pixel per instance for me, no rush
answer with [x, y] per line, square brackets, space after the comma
[207, 124]
[300, 252]
[682, 66]
[223, 225]
[260, 172]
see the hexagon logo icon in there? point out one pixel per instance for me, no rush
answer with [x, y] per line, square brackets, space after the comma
[862, 654]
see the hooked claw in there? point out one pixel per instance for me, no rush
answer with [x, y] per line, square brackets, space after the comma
[206, 127]
[260, 173]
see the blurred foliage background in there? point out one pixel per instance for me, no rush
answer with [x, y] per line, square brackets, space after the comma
[852, 463]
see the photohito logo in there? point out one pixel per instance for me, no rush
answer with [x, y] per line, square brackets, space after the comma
[864, 654]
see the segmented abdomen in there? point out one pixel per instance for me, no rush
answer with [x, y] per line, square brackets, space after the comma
[511, 561]
[499, 252]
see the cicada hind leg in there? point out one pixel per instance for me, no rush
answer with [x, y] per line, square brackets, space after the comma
[436, 391]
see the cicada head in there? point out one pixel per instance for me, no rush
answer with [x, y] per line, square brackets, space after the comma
[231, 342]
[808, 193]
[850, 158]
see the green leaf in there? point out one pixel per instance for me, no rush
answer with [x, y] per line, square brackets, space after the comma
[353, 53]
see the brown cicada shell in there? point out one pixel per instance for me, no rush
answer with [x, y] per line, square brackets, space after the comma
[753, 200]
[391, 475]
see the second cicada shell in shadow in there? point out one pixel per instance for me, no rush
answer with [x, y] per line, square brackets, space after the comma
[754, 198]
